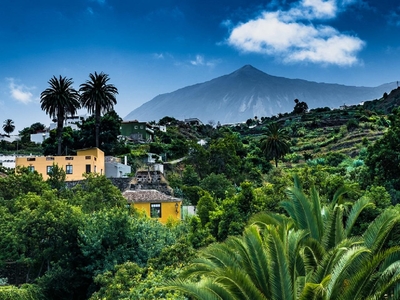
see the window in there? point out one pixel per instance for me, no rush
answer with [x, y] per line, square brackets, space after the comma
[49, 158]
[88, 169]
[88, 157]
[155, 210]
[31, 159]
[69, 158]
[49, 170]
[68, 169]
[95, 169]
[31, 169]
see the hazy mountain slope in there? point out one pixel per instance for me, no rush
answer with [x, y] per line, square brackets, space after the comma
[249, 92]
[386, 103]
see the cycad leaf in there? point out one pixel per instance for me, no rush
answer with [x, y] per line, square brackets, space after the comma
[356, 210]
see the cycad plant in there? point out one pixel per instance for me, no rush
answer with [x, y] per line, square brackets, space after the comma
[309, 255]
[262, 264]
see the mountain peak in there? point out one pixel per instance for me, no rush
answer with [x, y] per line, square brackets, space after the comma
[247, 70]
[249, 92]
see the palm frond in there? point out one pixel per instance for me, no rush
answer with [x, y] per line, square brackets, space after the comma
[280, 283]
[204, 290]
[356, 210]
[301, 210]
[347, 264]
[364, 281]
[379, 230]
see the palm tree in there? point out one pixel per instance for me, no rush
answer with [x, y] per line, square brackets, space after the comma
[262, 264]
[8, 126]
[59, 100]
[327, 224]
[275, 142]
[98, 97]
[282, 257]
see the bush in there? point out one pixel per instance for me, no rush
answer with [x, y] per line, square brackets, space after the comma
[317, 161]
[307, 156]
[292, 157]
[352, 124]
[334, 158]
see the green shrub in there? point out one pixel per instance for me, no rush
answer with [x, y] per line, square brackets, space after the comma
[316, 161]
[334, 158]
[292, 157]
[352, 124]
[307, 156]
[363, 153]
[358, 163]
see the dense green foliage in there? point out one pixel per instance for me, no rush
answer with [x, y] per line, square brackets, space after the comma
[320, 225]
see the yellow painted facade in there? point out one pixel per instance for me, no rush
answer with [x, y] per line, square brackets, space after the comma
[169, 210]
[85, 161]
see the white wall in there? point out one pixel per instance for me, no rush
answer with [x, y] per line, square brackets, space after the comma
[7, 161]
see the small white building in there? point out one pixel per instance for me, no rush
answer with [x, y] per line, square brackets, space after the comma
[115, 169]
[39, 137]
[70, 121]
[7, 161]
[162, 128]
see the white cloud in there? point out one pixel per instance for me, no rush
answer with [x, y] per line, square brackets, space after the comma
[311, 9]
[20, 92]
[394, 17]
[200, 61]
[283, 34]
[158, 56]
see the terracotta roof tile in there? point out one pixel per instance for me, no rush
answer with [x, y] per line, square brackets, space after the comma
[148, 196]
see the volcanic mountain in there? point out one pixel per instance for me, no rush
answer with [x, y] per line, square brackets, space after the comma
[249, 92]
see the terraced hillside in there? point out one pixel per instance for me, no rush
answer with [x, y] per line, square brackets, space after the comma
[322, 131]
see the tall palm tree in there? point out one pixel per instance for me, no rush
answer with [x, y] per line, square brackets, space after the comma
[275, 142]
[8, 126]
[98, 97]
[59, 100]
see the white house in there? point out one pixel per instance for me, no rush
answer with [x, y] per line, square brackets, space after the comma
[115, 169]
[38, 138]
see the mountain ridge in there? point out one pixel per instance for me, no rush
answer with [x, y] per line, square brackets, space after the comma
[249, 92]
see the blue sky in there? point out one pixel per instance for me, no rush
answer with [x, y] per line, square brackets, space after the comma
[153, 47]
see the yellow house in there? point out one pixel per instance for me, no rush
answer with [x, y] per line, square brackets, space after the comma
[155, 204]
[89, 160]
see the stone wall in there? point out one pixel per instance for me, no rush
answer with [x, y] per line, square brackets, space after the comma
[121, 183]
